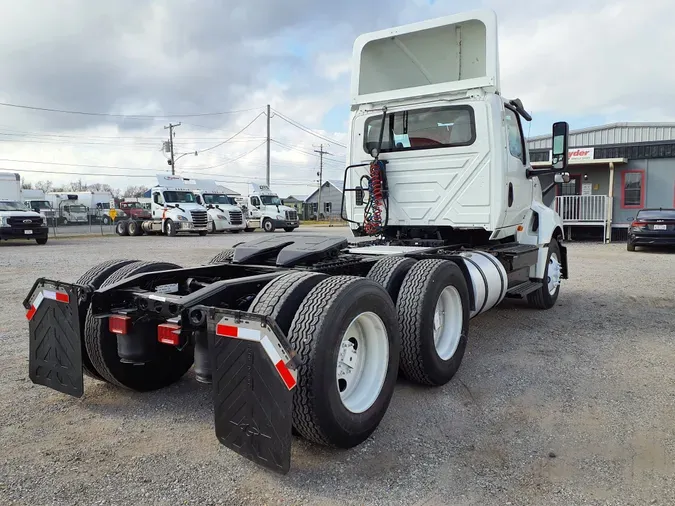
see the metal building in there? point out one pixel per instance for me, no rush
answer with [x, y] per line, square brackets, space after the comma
[615, 170]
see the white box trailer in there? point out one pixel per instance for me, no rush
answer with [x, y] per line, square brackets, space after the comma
[310, 332]
[69, 210]
[99, 204]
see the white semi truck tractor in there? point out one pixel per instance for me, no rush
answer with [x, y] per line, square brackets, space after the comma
[307, 334]
[174, 210]
[224, 214]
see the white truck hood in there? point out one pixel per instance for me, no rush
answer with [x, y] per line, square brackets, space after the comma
[27, 214]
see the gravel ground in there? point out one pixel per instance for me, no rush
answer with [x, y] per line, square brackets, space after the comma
[569, 406]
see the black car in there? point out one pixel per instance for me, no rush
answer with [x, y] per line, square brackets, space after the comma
[652, 227]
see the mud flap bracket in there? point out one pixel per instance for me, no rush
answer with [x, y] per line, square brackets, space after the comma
[253, 384]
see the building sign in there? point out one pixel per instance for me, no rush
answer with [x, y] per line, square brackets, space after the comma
[587, 189]
[578, 155]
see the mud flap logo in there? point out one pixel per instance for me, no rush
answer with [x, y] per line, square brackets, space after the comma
[250, 429]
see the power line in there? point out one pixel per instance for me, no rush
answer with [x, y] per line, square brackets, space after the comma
[229, 139]
[307, 129]
[128, 116]
[231, 160]
[293, 148]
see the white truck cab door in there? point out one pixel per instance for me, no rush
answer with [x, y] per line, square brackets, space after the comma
[518, 187]
[157, 205]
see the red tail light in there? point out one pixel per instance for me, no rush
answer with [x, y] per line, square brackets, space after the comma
[119, 324]
[168, 333]
[638, 224]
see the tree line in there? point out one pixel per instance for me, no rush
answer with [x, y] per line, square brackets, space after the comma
[79, 186]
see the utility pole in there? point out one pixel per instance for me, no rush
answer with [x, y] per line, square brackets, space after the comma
[172, 161]
[269, 140]
[320, 174]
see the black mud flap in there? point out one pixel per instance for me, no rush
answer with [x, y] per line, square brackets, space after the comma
[563, 261]
[253, 384]
[55, 351]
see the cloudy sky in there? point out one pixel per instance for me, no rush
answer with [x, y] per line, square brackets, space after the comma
[213, 66]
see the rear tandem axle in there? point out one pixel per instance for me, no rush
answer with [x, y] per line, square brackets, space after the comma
[305, 333]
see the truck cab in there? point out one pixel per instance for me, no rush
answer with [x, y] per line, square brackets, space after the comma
[273, 214]
[174, 206]
[224, 213]
[44, 208]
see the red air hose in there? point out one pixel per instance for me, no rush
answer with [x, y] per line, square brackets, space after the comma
[373, 219]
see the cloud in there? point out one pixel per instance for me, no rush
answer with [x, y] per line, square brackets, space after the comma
[591, 60]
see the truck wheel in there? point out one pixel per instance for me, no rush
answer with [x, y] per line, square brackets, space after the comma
[289, 229]
[346, 337]
[94, 277]
[202, 233]
[630, 246]
[433, 314]
[106, 220]
[121, 228]
[390, 272]
[282, 297]
[168, 365]
[134, 228]
[547, 295]
[42, 240]
[268, 225]
[170, 228]
[249, 229]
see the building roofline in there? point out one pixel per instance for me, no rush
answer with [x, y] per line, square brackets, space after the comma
[315, 191]
[607, 127]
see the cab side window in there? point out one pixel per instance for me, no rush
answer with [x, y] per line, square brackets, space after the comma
[255, 201]
[157, 197]
[514, 135]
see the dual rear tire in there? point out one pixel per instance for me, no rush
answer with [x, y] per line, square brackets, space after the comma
[352, 339]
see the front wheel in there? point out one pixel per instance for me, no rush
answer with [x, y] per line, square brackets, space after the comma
[630, 247]
[289, 229]
[268, 225]
[202, 233]
[106, 220]
[547, 295]
[41, 240]
[170, 228]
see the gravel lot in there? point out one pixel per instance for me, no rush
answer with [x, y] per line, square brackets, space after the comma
[569, 406]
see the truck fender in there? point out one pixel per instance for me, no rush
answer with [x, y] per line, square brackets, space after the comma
[550, 226]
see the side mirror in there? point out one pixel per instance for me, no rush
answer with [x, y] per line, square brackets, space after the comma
[559, 155]
[562, 177]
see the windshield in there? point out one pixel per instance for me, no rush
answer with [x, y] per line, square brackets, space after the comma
[131, 205]
[215, 199]
[40, 204]
[665, 214]
[105, 205]
[270, 200]
[174, 197]
[11, 206]
[77, 208]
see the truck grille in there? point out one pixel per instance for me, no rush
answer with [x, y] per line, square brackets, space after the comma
[236, 218]
[291, 215]
[200, 219]
[24, 222]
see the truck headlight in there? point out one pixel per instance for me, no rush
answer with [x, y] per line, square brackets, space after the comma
[221, 217]
[181, 218]
[279, 217]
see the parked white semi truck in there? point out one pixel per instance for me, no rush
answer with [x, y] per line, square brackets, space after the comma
[224, 214]
[439, 181]
[174, 210]
[273, 214]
